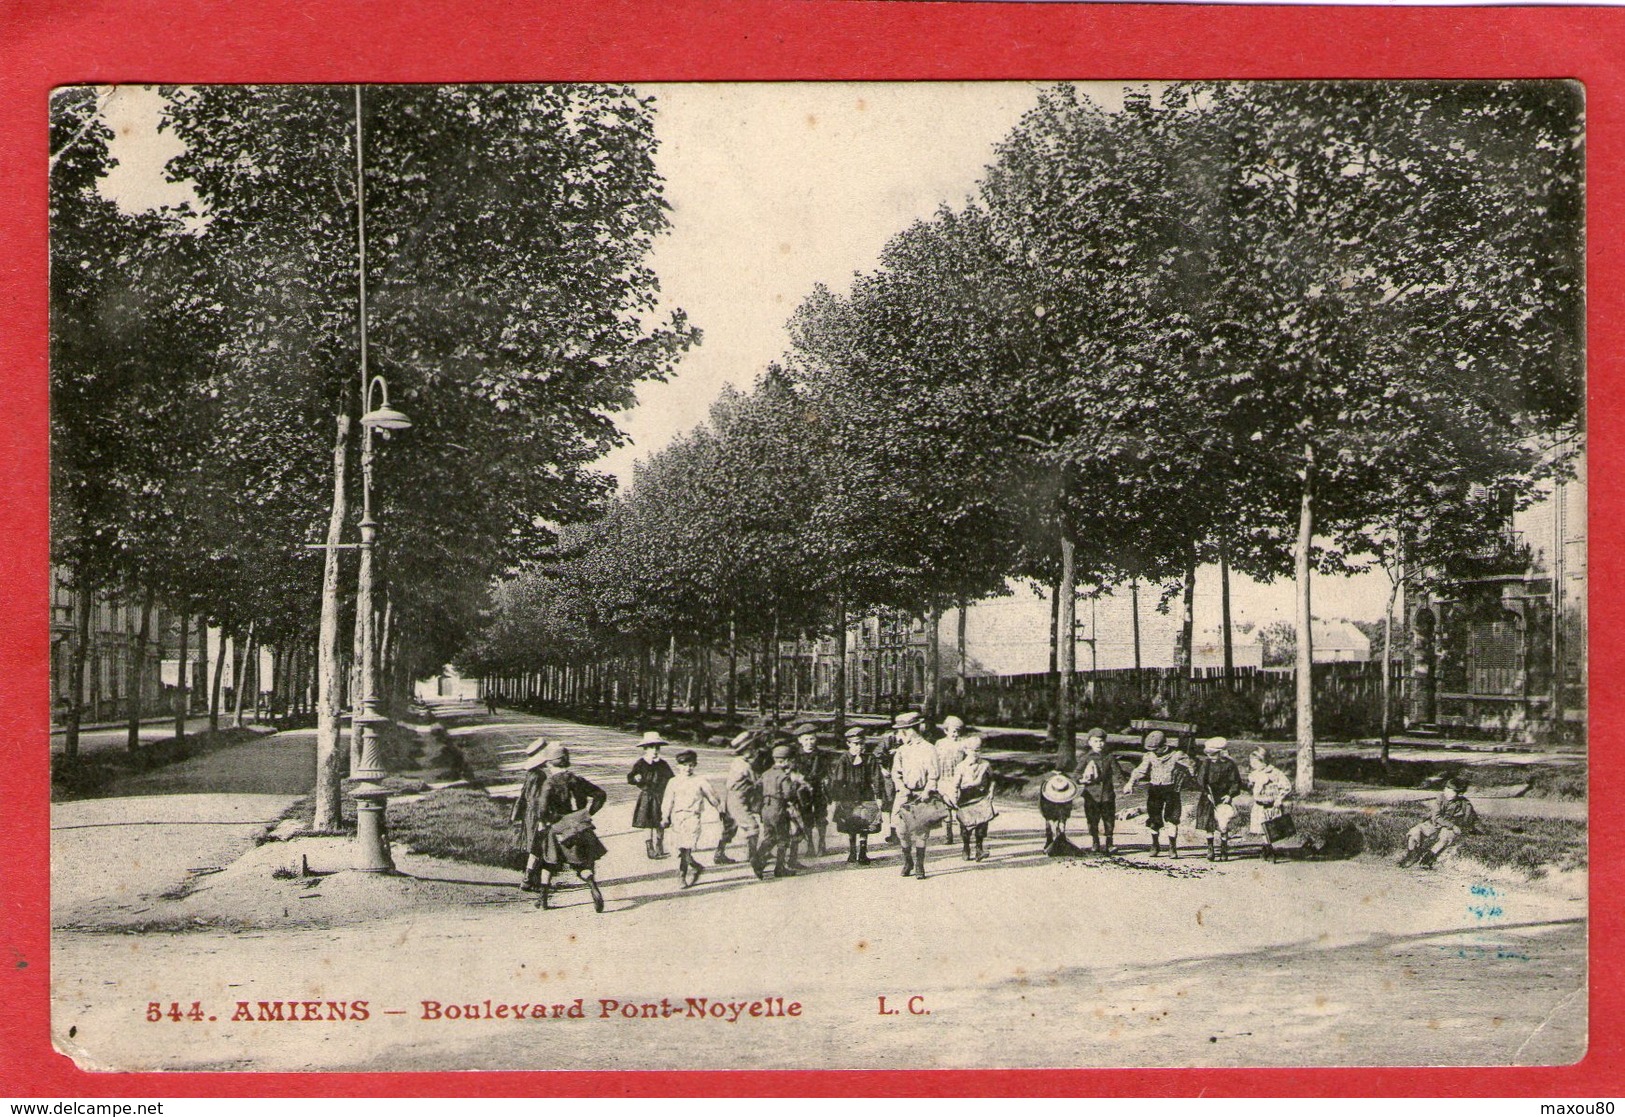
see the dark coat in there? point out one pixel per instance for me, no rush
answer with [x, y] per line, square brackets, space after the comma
[1217, 779]
[650, 780]
[813, 767]
[1099, 782]
[548, 796]
[846, 782]
[783, 791]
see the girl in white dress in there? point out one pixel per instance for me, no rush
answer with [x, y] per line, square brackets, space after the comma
[682, 810]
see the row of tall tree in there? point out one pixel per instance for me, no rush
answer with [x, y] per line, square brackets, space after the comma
[1292, 327]
[206, 358]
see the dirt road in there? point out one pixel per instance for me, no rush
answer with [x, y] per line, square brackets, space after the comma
[1015, 962]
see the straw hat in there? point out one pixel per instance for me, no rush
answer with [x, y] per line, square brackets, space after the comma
[555, 753]
[652, 740]
[1059, 788]
[742, 741]
[908, 719]
[537, 746]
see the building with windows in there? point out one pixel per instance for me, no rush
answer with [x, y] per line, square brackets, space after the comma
[1505, 652]
[115, 624]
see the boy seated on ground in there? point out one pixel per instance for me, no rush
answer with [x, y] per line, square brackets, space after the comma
[1451, 817]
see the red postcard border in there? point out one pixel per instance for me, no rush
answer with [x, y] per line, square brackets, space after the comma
[44, 43]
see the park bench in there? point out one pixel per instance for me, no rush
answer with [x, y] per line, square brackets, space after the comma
[1182, 733]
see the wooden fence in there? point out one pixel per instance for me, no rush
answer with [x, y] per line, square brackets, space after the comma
[1348, 699]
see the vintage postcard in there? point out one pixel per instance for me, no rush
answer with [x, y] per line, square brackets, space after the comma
[818, 575]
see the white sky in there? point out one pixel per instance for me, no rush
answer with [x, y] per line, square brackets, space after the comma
[774, 188]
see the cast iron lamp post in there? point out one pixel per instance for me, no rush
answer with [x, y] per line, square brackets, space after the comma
[366, 766]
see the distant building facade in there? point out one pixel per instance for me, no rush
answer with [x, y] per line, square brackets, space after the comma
[109, 682]
[1506, 651]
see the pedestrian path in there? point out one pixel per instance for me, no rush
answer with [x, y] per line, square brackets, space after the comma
[168, 827]
[98, 738]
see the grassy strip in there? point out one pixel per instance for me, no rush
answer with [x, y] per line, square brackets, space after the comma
[457, 824]
[1532, 845]
[1546, 781]
[88, 775]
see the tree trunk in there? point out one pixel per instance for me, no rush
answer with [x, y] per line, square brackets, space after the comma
[1224, 613]
[838, 680]
[1066, 659]
[1388, 659]
[933, 663]
[671, 673]
[249, 663]
[219, 671]
[76, 666]
[733, 667]
[795, 675]
[1306, 648]
[1187, 622]
[774, 662]
[385, 653]
[183, 692]
[138, 672]
[874, 673]
[1134, 610]
[329, 758]
[1054, 727]
[959, 672]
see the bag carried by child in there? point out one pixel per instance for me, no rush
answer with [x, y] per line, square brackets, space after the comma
[572, 824]
[858, 818]
[977, 813]
[922, 814]
[1281, 826]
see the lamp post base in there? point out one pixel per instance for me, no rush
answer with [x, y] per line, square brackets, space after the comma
[372, 843]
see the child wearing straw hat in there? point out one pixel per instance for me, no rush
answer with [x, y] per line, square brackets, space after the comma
[557, 806]
[650, 775]
[1055, 807]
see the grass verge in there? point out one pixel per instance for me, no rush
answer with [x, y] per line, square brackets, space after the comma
[88, 775]
[1532, 845]
[456, 824]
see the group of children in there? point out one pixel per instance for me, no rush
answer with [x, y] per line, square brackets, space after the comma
[783, 798]
[1168, 774]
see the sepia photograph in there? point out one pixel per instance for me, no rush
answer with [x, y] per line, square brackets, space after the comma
[818, 575]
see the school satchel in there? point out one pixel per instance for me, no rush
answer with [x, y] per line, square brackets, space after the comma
[1279, 827]
[572, 824]
[865, 817]
[926, 813]
[977, 813]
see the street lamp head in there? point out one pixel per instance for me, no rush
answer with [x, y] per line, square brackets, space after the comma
[383, 417]
[386, 418]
